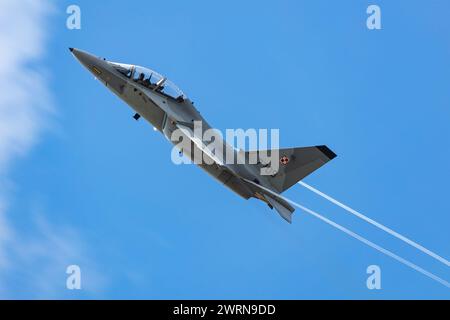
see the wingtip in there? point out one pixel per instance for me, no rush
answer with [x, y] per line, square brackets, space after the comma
[288, 219]
[327, 151]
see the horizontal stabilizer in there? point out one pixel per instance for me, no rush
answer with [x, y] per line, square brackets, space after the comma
[282, 206]
[284, 212]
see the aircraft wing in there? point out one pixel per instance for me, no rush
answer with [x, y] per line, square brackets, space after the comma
[188, 132]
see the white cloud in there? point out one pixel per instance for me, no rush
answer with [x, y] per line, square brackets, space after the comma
[35, 261]
[25, 100]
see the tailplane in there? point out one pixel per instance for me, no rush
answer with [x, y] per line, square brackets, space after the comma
[274, 200]
[285, 211]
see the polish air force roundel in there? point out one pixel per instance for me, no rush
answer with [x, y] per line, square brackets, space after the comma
[284, 160]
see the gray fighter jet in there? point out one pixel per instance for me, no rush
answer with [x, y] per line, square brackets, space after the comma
[161, 103]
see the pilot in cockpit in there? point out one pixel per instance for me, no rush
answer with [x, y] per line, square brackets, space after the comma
[147, 82]
[140, 80]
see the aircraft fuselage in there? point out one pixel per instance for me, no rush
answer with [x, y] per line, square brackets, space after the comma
[163, 112]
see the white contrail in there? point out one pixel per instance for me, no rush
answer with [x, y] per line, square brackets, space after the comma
[373, 245]
[378, 225]
[358, 237]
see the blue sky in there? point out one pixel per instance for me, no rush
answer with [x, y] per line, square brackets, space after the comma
[88, 185]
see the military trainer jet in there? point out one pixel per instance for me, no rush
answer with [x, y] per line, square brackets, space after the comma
[161, 103]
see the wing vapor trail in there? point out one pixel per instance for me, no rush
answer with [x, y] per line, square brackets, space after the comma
[377, 224]
[373, 245]
[362, 239]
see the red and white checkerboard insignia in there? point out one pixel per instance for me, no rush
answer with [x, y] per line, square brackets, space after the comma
[284, 160]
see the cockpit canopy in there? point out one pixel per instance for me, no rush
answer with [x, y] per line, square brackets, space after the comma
[151, 80]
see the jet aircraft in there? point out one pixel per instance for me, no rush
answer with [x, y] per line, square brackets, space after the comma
[156, 99]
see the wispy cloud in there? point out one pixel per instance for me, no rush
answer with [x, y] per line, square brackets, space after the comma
[37, 260]
[25, 108]
[25, 100]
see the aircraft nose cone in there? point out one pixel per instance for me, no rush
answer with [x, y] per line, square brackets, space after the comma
[99, 67]
[85, 58]
[78, 53]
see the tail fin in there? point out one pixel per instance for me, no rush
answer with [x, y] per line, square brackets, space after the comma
[297, 163]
